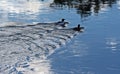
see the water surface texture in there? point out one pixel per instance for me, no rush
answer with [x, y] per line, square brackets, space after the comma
[30, 48]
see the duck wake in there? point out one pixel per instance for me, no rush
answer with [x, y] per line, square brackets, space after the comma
[24, 49]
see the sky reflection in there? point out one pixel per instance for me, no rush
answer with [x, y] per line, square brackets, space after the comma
[71, 59]
[113, 44]
[118, 3]
[21, 6]
[38, 66]
[22, 9]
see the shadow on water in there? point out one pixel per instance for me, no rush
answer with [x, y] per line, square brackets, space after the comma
[84, 7]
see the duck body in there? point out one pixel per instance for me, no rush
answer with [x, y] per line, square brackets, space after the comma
[62, 23]
[78, 28]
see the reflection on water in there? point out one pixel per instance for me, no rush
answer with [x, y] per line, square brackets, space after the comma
[37, 67]
[84, 7]
[32, 10]
[26, 7]
[30, 49]
[69, 58]
[118, 2]
[24, 49]
[113, 44]
[22, 9]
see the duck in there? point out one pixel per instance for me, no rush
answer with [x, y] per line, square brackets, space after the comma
[78, 28]
[62, 23]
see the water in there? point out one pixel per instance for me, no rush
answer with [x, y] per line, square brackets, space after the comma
[23, 50]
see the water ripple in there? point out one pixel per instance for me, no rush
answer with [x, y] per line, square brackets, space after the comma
[21, 45]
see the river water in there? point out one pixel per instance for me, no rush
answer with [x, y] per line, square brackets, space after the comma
[29, 48]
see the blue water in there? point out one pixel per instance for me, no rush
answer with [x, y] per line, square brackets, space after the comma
[95, 51]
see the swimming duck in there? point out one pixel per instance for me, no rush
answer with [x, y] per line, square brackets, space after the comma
[62, 23]
[78, 28]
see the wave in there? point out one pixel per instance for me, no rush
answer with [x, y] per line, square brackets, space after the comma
[21, 46]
